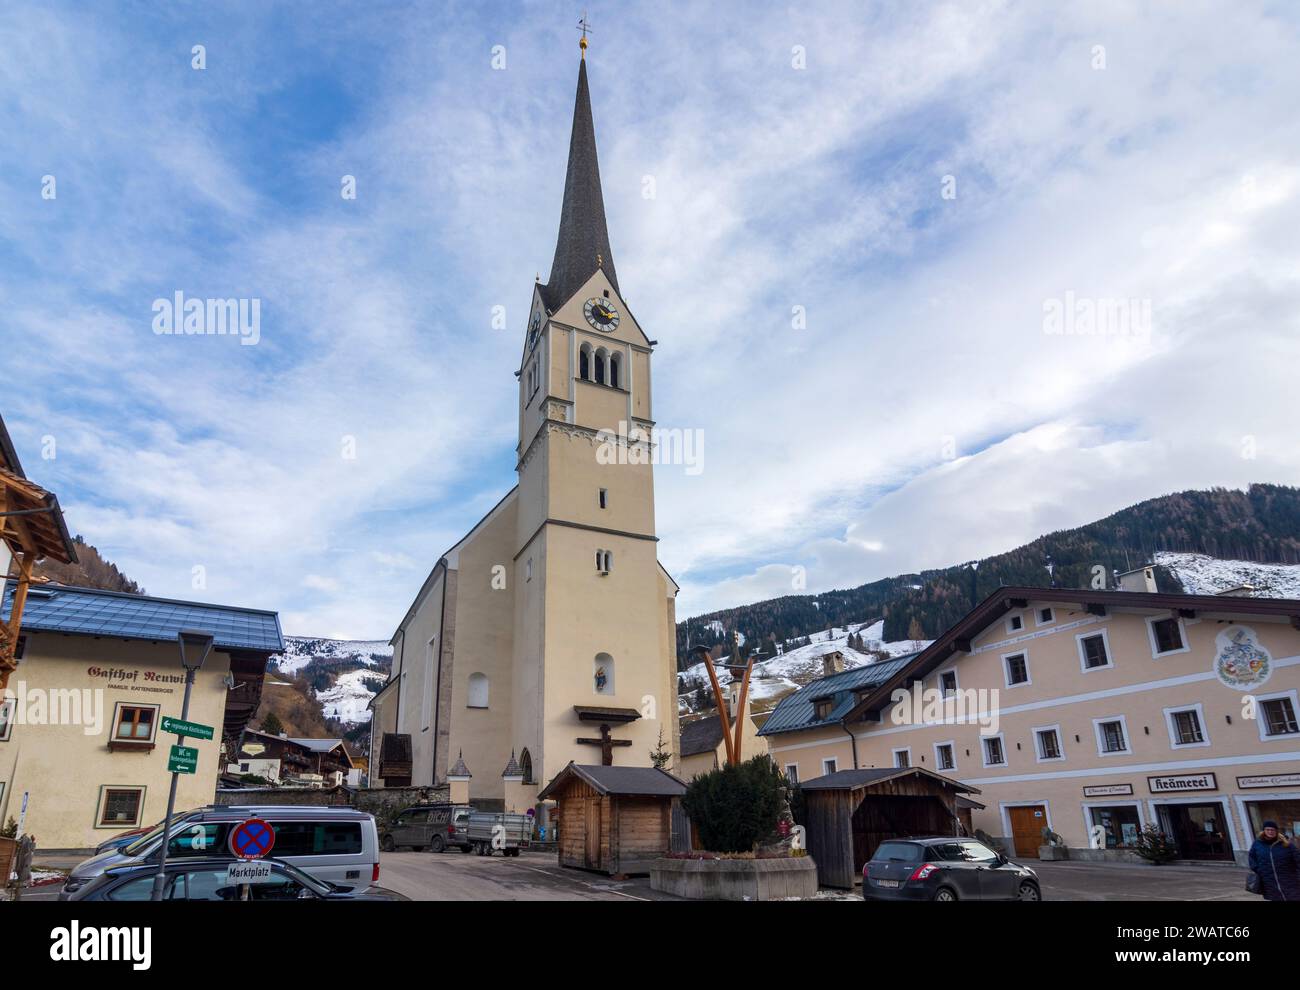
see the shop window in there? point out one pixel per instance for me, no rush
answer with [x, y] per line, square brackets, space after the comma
[1121, 824]
[134, 726]
[119, 807]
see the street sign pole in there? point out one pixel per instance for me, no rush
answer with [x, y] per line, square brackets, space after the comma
[195, 647]
[160, 878]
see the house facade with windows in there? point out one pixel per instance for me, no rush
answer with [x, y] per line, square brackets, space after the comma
[80, 727]
[546, 635]
[1092, 713]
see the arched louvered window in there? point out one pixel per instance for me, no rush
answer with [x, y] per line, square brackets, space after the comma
[615, 369]
[601, 359]
[584, 363]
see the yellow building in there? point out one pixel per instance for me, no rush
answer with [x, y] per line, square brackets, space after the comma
[1092, 713]
[701, 747]
[80, 732]
[546, 635]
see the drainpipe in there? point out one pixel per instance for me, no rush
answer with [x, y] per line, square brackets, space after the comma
[853, 740]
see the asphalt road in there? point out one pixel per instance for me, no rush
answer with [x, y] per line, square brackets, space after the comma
[530, 876]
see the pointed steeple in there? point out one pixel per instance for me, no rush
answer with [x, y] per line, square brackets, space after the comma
[583, 243]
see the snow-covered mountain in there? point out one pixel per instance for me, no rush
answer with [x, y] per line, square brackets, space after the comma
[773, 679]
[343, 673]
[1202, 575]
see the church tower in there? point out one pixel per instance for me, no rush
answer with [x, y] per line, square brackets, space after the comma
[593, 624]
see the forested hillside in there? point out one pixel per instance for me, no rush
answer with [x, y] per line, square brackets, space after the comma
[1261, 524]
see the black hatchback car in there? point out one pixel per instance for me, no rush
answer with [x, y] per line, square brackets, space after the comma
[945, 868]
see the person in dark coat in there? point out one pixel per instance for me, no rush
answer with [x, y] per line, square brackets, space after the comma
[1277, 861]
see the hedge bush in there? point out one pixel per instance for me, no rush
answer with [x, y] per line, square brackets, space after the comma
[735, 807]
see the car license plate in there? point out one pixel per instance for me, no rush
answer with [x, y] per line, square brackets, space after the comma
[886, 883]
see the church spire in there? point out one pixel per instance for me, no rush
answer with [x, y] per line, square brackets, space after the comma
[583, 242]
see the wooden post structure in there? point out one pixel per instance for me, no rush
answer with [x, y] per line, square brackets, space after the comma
[732, 744]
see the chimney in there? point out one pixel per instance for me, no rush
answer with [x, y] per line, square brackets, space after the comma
[1139, 579]
[832, 663]
[1240, 591]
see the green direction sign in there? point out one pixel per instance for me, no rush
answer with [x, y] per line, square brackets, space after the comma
[183, 759]
[195, 729]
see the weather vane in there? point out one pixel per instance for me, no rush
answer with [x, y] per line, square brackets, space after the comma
[585, 27]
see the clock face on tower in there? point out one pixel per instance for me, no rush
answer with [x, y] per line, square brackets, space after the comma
[601, 314]
[533, 328]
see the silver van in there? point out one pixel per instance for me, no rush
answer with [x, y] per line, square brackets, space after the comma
[340, 845]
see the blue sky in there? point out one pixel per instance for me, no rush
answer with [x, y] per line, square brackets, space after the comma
[798, 159]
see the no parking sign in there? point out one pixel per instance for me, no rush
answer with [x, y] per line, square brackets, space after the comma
[251, 839]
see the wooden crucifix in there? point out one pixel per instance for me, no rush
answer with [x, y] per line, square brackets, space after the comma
[731, 740]
[606, 744]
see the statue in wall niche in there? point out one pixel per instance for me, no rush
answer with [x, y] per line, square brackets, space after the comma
[601, 679]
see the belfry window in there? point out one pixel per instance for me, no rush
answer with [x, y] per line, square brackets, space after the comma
[584, 363]
[600, 366]
[615, 364]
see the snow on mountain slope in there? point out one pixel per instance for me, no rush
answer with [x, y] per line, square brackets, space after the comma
[348, 698]
[302, 650]
[775, 678]
[1202, 575]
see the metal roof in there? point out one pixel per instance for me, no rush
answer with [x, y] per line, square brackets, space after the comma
[701, 736]
[797, 711]
[117, 615]
[633, 781]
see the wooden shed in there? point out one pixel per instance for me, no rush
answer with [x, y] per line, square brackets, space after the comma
[616, 820]
[849, 813]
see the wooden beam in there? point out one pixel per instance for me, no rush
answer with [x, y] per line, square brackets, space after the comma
[740, 709]
[722, 709]
[1187, 613]
[962, 644]
[1095, 609]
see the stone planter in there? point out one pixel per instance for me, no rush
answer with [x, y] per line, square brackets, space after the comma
[1053, 854]
[735, 879]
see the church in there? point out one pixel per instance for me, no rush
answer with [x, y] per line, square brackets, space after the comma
[547, 633]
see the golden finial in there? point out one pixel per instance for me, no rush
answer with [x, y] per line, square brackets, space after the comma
[600, 262]
[586, 27]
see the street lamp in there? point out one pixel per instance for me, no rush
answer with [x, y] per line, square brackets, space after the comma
[195, 647]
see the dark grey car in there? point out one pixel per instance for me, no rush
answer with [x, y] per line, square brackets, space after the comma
[945, 868]
[428, 826]
[206, 880]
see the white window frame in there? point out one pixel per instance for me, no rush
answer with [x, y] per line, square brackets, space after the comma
[984, 752]
[792, 777]
[7, 727]
[1151, 621]
[1038, 618]
[830, 764]
[902, 749]
[1083, 657]
[1263, 723]
[1090, 806]
[1060, 743]
[1015, 615]
[952, 746]
[1006, 670]
[956, 682]
[1123, 724]
[1173, 729]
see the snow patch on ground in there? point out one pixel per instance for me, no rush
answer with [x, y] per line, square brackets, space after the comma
[1203, 575]
[302, 650]
[348, 698]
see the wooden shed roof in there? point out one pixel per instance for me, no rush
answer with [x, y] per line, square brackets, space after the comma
[619, 781]
[853, 780]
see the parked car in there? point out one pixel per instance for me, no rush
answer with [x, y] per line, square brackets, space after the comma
[123, 839]
[206, 879]
[428, 826]
[338, 845]
[492, 830]
[944, 868]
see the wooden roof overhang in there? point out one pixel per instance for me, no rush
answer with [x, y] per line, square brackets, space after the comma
[31, 521]
[958, 638]
[867, 780]
[589, 713]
